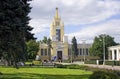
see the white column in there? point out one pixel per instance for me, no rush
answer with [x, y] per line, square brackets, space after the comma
[117, 50]
[119, 54]
[113, 54]
[109, 55]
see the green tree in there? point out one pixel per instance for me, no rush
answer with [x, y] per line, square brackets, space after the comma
[14, 30]
[32, 49]
[74, 46]
[97, 47]
[45, 40]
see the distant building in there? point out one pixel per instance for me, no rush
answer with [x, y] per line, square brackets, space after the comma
[114, 52]
[61, 49]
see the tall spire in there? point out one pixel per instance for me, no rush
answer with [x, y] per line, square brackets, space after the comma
[56, 15]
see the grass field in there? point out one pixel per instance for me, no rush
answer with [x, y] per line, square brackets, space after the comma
[43, 73]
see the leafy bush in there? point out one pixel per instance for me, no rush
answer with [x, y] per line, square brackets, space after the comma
[103, 75]
[61, 66]
[90, 62]
[1, 73]
[117, 72]
[82, 67]
[117, 63]
[73, 66]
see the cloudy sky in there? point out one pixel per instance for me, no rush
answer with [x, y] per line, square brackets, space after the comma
[83, 19]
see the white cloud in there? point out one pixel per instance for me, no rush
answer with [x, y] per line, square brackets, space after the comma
[95, 11]
[77, 11]
[40, 25]
[111, 28]
[74, 12]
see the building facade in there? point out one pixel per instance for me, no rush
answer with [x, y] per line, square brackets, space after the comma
[114, 53]
[60, 48]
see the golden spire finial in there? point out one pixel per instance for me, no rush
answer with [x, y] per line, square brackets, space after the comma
[56, 15]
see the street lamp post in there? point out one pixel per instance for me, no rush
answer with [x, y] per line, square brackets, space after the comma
[103, 36]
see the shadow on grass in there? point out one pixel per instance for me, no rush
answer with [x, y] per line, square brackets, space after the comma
[42, 76]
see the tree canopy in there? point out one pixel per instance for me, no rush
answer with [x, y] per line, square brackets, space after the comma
[46, 41]
[14, 29]
[74, 46]
[32, 49]
[97, 47]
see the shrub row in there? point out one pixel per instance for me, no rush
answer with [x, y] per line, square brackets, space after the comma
[73, 66]
[90, 62]
[94, 62]
[116, 63]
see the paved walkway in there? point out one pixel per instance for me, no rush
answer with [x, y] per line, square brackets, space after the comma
[104, 66]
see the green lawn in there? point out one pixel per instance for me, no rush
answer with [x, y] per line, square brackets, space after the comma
[43, 73]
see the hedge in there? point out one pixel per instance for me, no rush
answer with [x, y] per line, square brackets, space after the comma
[90, 62]
[104, 75]
[116, 63]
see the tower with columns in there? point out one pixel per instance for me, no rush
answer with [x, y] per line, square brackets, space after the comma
[59, 41]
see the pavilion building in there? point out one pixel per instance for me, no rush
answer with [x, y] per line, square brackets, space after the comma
[60, 48]
[114, 53]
